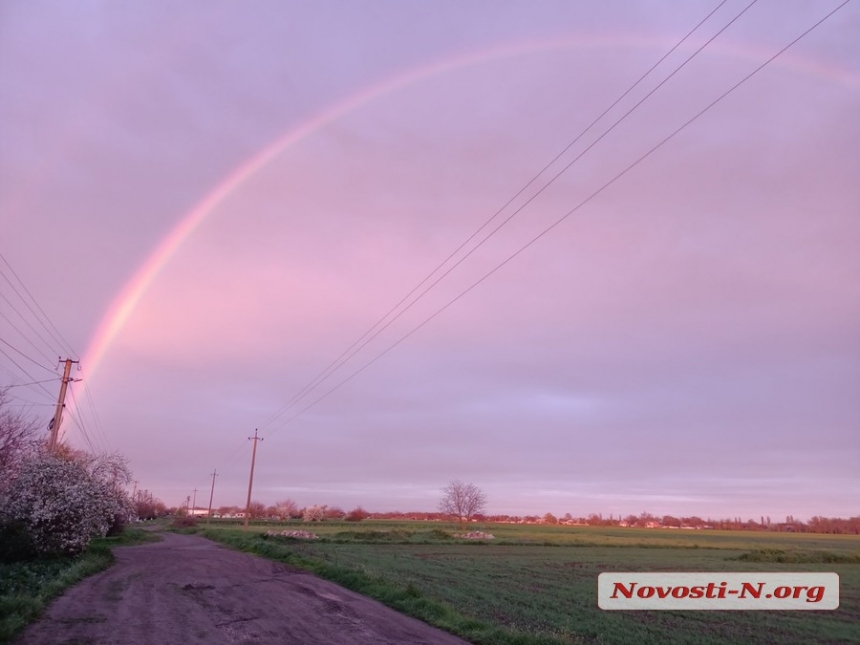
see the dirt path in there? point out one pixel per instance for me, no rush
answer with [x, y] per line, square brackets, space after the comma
[187, 590]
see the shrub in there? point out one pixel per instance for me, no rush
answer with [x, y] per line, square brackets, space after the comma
[63, 501]
[184, 522]
[439, 534]
[357, 515]
[314, 514]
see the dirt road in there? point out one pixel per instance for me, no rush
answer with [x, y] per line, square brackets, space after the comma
[186, 590]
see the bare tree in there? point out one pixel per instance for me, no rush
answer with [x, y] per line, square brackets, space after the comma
[463, 501]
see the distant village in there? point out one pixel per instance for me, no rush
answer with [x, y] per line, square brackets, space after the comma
[289, 511]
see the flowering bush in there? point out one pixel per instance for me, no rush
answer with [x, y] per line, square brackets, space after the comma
[18, 436]
[63, 501]
[314, 514]
[110, 474]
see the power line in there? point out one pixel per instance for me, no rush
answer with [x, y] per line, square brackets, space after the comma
[50, 380]
[349, 353]
[232, 458]
[24, 336]
[27, 322]
[26, 404]
[570, 212]
[79, 421]
[370, 335]
[83, 430]
[36, 363]
[100, 430]
[58, 337]
[84, 426]
[27, 401]
[14, 362]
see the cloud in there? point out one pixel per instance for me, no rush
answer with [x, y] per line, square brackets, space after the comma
[683, 342]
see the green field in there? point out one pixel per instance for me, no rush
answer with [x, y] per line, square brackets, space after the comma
[538, 584]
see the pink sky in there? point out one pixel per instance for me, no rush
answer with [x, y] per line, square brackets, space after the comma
[258, 188]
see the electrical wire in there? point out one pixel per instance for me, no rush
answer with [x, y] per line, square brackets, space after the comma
[27, 401]
[348, 353]
[14, 362]
[83, 430]
[58, 338]
[95, 435]
[528, 244]
[370, 335]
[100, 429]
[28, 323]
[358, 345]
[50, 380]
[233, 455]
[26, 404]
[23, 335]
[336, 363]
[585, 201]
[36, 363]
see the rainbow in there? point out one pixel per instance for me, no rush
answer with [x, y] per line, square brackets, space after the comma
[128, 298]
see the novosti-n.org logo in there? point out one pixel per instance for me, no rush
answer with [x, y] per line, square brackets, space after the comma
[718, 591]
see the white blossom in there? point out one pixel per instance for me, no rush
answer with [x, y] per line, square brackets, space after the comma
[64, 501]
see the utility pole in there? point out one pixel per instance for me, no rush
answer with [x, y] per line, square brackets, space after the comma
[212, 492]
[61, 403]
[134, 492]
[255, 439]
[194, 503]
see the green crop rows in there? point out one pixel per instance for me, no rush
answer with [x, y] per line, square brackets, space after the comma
[538, 584]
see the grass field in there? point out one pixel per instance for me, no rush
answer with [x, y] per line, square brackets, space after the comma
[538, 584]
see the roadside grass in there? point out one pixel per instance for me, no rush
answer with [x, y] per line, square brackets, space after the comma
[528, 589]
[407, 598]
[26, 588]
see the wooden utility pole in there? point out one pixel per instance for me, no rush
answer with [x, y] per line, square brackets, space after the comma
[61, 403]
[255, 439]
[212, 492]
[194, 503]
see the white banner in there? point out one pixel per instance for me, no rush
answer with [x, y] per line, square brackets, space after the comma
[717, 591]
